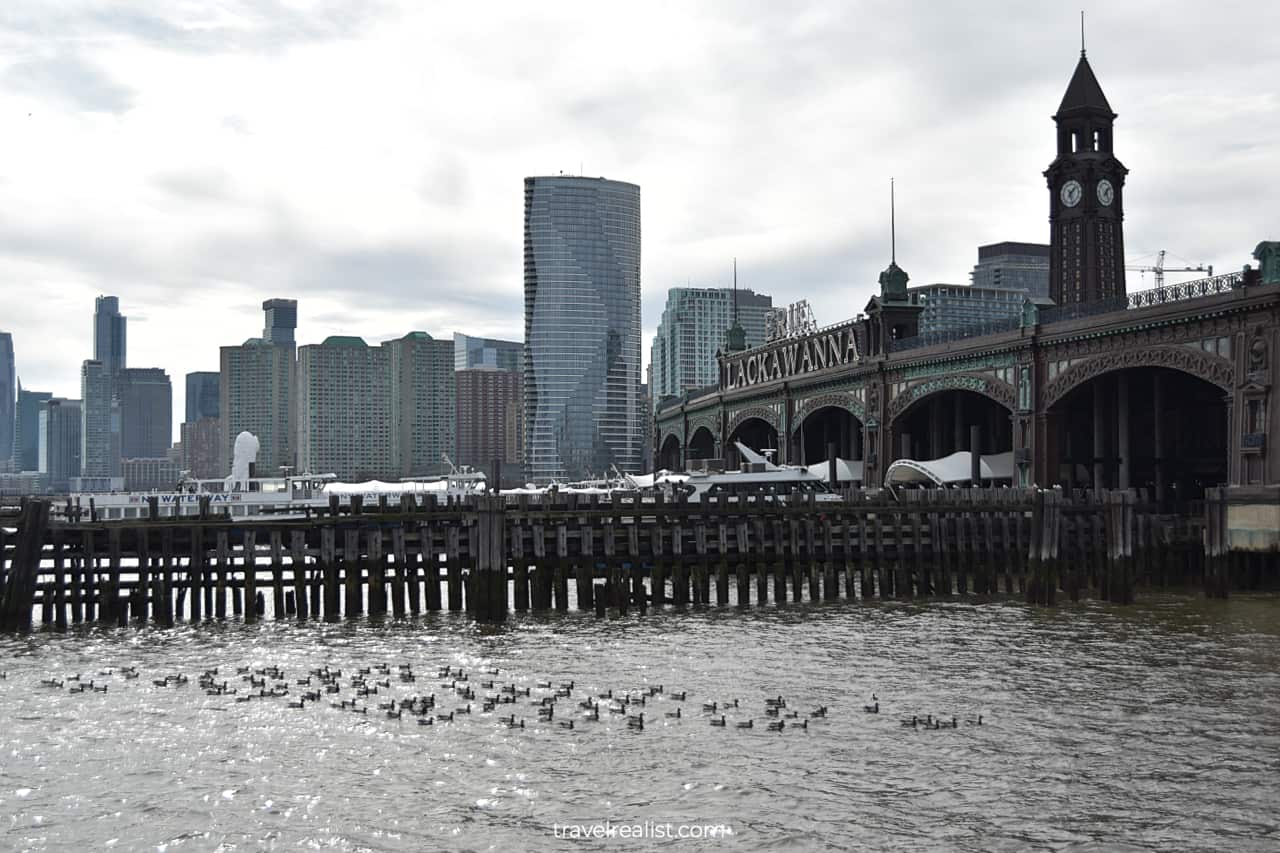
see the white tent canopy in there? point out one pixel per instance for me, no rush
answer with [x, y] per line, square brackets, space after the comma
[948, 470]
[847, 470]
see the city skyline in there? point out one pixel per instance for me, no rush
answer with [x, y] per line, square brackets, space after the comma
[427, 236]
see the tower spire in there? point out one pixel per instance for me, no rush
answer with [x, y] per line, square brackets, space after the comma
[735, 291]
[893, 229]
[1082, 32]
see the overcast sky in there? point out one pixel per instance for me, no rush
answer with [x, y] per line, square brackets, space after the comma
[195, 157]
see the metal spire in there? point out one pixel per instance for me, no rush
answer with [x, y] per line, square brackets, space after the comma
[735, 291]
[893, 229]
[1082, 33]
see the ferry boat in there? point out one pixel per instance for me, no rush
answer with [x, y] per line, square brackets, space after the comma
[241, 495]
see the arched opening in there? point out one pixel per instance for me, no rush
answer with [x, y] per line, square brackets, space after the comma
[822, 428]
[756, 434]
[1143, 428]
[669, 454]
[941, 424]
[702, 444]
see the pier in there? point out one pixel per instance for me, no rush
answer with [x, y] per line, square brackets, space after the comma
[489, 556]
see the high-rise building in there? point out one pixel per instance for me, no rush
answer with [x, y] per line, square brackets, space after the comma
[486, 352]
[144, 396]
[344, 410]
[109, 333]
[282, 319]
[951, 307]
[202, 396]
[60, 442]
[7, 399]
[100, 425]
[255, 391]
[423, 403]
[1013, 266]
[488, 401]
[144, 475]
[26, 439]
[582, 327]
[200, 448]
[693, 329]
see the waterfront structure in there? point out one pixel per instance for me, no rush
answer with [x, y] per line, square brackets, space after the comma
[694, 328]
[109, 339]
[1168, 390]
[100, 422]
[344, 409]
[200, 443]
[952, 307]
[144, 397]
[7, 399]
[60, 442]
[1013, 266]
[489, 401]
[472, 352]
[423, 399]
[202, 396]
[582, 327]
[26, 438]
[256, 391]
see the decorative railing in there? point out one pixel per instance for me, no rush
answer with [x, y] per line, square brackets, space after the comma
[1146, 298]
[942, 336]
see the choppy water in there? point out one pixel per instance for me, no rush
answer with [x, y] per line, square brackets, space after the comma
[1152, 727]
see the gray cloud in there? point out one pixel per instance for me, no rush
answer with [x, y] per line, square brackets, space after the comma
[65, 79]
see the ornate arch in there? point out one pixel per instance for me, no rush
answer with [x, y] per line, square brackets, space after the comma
[710, 420]
[1211, 368]
[764, 413]
[840, 400]
[672, 431]
[993, 389]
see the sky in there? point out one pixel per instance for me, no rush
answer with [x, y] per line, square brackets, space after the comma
[195, 157]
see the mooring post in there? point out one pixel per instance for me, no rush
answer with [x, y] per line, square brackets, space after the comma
[489, 581]
[20, 586]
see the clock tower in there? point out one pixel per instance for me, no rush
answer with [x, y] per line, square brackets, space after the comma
[1086, 197]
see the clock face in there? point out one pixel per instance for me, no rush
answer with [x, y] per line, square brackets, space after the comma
[1106, 193]
[1071, 193]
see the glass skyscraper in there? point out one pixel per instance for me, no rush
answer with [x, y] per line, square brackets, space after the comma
[7, 398]
[581, 327]
[109, 334]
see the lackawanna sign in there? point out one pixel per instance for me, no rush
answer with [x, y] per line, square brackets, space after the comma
[789, 358]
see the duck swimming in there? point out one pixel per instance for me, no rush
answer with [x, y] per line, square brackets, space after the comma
[719, 722]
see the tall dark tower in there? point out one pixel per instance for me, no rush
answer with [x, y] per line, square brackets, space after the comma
[1086, 197]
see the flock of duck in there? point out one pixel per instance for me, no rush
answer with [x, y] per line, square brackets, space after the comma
[379, 690]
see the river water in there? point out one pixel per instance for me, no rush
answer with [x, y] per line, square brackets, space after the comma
[1153, 727]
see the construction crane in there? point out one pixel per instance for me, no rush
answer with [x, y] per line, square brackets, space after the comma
[1160, 269]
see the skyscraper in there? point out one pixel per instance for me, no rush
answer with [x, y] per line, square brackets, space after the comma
[60, 442]
[582, 327]
[488, 399]
[255, 390]
[694, 324]
[423, 403]
[109, 333]
[282, 319]
[100, 425]
[26, 439]
[202, 396]
[487, 352]
[344, 410]
[6, 398]
[1013, 266]
[144, 396]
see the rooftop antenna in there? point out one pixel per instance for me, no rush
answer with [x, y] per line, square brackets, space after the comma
[893, 228]
[1082, 33]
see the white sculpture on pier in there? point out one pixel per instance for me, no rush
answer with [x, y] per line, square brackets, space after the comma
[244, 454]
